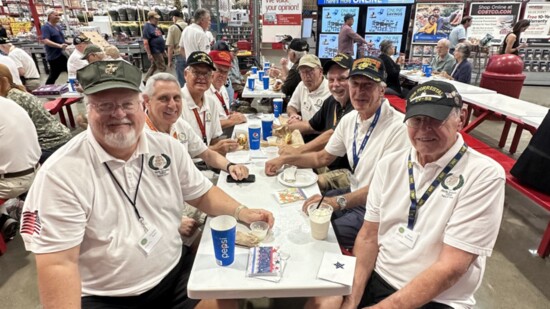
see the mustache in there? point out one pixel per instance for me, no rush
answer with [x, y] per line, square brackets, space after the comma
[119, 122]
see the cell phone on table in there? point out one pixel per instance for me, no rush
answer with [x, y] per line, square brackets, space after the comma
[251, 178]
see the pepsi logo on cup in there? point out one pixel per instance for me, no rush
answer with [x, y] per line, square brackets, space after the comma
[256, 135]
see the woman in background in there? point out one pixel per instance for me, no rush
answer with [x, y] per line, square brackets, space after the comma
[387, 50]
[511, 43]
[462, 71]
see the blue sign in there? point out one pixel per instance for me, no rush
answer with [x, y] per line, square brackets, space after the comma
[360, 2]
[384, 19]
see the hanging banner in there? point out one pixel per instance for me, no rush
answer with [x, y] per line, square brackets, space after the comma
[539, 15]
[282, 12]
[495, 19]
[434, 21]
[361, 2]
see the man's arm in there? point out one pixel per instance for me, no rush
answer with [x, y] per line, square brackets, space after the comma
[232, 120]
[356, 37]
[365, 249]
[316, 144]
[59, 279]
[356, 198]
[443, 274]
[216, 160]
[309, 160]
[51, 43]
[303, 126]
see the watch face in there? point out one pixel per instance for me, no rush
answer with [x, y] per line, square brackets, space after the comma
[341, 201]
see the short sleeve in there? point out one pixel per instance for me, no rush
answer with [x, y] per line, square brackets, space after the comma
[336, 145]
[318, 121]
[295, 99]
[372, 212]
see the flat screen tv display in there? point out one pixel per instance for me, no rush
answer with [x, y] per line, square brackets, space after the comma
[385, 19]
[328, 45]
[333, 18]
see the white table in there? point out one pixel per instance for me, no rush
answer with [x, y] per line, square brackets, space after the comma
[290, 232]
[533, 121]
[259, 92]
[462, 88]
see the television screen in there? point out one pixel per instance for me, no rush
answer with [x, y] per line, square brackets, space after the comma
[328, 46]
[374, 50]
[333, 18]
[384, 19]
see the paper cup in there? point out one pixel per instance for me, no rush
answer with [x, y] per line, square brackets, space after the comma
[277, 107]
[223, 237]
[259, 229]
[251, 83]
[254, 70]
[266, 82]
[319, 220]
[260, 75]
[267, 127]
[254, 133]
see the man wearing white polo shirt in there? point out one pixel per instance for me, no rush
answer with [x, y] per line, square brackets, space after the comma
[367, 134]
[193, 37]
[28, 68]
[15, 67]
[433, 213]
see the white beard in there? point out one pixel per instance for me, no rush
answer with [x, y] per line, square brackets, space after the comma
[121, 140]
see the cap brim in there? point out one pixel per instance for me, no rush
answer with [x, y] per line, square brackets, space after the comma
[436, 111]
[199, 63]
[222, 63]
[110, 85]
[311, 65]
[329, 64]
[371, 76]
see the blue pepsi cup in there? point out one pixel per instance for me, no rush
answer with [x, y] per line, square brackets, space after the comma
[72, 84]
[266, 82]
[267, 65]
[254, 70]
[277, 107]
[428, 71]
[260, 74]
[223, 237]
[254, 133]
[251, 83]
[424, 66]
[267, 125]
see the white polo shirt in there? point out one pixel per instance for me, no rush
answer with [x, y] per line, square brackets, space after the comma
[74, 201]
[13, 65]
[19, 147]
[75, 62]
[308, 103]
[389, 135]
[193, 39]
[208, 115]
[26, 61]
[219, 106]
[182, 131]
[464, 212]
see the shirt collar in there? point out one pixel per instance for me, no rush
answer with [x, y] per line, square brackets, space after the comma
[103, 156]
[191, 103]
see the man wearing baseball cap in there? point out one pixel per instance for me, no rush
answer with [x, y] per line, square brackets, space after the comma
[201, 109]
[367, 134]
[297, 48]
[347, 37]
[433, 213]
[93, 53]
[154, 44]
[54, 44]
[30, 77]
[76, 62]
[103, 225]
[218, 91]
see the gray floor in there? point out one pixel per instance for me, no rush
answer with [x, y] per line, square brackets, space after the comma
[515, 277]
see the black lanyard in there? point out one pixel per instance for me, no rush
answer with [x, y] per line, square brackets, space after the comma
[365, 139]
[415, 205]
[133, 203]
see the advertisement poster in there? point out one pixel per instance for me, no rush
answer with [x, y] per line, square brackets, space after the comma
[328, 46]
[282, 12]
[434, 21]
[495, 19]
[539, 15]
[376, 39]
[385, 19]
[361, 2]
[333, 18]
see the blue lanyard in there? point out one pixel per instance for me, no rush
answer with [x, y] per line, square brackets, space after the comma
[365, 139]
[415, 205]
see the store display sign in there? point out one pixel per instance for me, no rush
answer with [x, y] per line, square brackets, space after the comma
[384, 19]
[434, 21]
[333, 18]
[495, 19]
[328, 46]
[282, 12]
[376, 39]
[539, 15]
[360, 2]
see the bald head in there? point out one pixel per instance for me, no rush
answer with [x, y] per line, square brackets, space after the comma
[442, 47]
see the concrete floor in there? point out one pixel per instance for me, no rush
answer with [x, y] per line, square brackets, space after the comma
[515, 277]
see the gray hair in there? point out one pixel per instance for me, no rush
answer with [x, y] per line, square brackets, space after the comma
[299, 54]
[200, 14]
[385, 46]
[445, 42]
[464, 49]
[150, 85]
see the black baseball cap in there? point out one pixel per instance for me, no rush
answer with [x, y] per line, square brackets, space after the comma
[434, 99]
[176, 13]
[343, 60]
[348, 16]
[80, 39]
[200, 57]
[4, 41]
[298, 45]
[221, 46]
[370, 67]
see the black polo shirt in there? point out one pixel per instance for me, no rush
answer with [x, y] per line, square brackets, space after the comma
[292, 80]
[328, 118]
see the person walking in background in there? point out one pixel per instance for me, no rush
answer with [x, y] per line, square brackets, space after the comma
[347, 36]
[172, 41]
[194, 37]
[459, 33]
[154, 45]
[55, 45]
[511, 43]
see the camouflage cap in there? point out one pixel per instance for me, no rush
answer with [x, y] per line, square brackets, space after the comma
[104, 75]
[90, 50]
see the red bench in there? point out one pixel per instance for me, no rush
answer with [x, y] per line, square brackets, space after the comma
[56, 106]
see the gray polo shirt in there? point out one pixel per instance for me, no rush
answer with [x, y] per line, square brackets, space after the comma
[443, 64]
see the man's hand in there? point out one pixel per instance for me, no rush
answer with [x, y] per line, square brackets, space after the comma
[63, 46]
[316, 198]
[294, 118]
[237, 118]
[188, 226]
[251, 215]
[272, 166]
[238, 172]
[288, 150]
[170, 63]
[150, 57]
[274, 72]
[224, 146]
[283, 62]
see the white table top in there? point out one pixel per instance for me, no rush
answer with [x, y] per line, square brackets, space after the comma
[462, 88]
[506, 105]
[290, 232]
[259, 91]
[533, 121]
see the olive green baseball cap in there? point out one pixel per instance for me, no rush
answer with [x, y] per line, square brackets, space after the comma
[104, 75]
[91, 49]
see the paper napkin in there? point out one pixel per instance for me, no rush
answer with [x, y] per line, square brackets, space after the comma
[337, 268]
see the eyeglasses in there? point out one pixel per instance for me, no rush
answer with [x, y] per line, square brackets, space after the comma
[419, 121]
[110, 107]
[307, 72]
[198, 74]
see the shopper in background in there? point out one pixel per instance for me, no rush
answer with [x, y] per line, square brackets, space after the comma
[3, 32]
[459, 33]
[387, 50]
[30, 77]
[112, 53]
[15, 67]
[194, 36]
[235, 76]
[462, 71]
[511, 43]
[153, 42]
[291, 78]
[172, 41]
[347, 36]
[55, 45]
[76, 62]
[443, 61]
[93, 53]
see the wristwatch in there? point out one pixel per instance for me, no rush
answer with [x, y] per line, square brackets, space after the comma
[341, 201]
